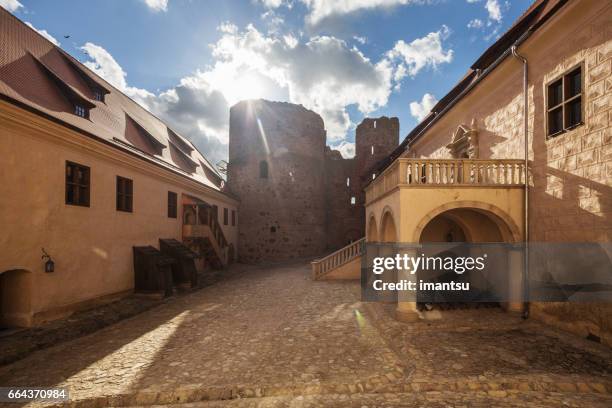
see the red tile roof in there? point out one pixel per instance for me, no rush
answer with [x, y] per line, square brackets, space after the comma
[39, 76]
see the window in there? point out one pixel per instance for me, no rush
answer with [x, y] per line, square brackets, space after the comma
[353, 200]
[348, 181]
[172, 204]
[373, 176]
[372, 148]
[564, 103]
[263, 169]
[233, 218]
[225, 216]
[80, 110]
[124, 194]
[77, 184]
[98, 95]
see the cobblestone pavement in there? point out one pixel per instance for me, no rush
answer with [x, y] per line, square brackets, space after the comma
[430, 399]
[273, 337]
[18, 343]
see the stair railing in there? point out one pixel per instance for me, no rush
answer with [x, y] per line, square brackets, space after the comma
[338, 258]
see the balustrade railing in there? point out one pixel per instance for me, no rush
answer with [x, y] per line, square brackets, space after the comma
[324, 265]
[203, 214]
[447, 172]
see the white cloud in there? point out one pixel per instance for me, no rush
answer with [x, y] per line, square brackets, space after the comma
[423, 52]
[421, 109]
[343, 75]
[494, 16]
[250, 64]
[193, 108]
[44, 33]
[494, 10]
[103, 64]
[157, 5]
[346, 149]
[475, 23]
[271, 3]
[322, 9]
[360, 39]
[11, 5]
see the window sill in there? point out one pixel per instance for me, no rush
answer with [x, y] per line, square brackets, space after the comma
[564, 131]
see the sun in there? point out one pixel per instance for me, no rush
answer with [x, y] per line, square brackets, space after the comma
[246, 86]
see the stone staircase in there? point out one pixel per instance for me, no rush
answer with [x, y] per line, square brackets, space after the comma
[202, 230]
[345, 263]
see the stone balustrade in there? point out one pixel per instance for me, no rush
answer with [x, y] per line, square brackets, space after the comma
[447, 173]
[324, 265]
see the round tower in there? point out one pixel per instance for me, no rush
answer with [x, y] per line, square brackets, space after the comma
[276, 163]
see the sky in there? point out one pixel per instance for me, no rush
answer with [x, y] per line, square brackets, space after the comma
[189, 61]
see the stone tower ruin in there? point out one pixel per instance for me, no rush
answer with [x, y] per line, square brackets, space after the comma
[276, 164]
[298, 197]
[375, 139]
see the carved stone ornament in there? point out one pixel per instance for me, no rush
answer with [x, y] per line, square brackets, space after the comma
[464, 143]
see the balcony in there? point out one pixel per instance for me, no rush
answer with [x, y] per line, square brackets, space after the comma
[411, 192]
[418, 201]
[441, 173]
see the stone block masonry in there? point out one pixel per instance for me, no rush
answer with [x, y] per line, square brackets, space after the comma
[299, 198]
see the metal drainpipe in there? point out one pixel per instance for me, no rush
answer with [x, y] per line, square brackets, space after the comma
[516, 55]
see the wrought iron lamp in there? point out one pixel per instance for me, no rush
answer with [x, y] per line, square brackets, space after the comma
[49, 264]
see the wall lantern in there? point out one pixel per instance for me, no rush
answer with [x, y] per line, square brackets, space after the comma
[49, 264]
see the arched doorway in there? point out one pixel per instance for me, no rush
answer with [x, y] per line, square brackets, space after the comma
[372, 230]
[449, 230]
[15, 298]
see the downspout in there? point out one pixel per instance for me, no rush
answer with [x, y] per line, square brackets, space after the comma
[522, 59]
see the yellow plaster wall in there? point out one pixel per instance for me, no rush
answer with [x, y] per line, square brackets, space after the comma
[91, 246]
[571, 190]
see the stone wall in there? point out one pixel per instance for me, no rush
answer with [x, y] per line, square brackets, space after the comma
[571, 186]
[282, 215]
[375, 139]
[305, 207]
[342, 185]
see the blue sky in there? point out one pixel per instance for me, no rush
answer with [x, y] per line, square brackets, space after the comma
[189, 60]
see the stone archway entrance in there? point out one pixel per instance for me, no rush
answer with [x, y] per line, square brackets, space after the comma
[457, 227]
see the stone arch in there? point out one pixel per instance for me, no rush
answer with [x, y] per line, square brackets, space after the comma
[388, 226]
[508, 228]
[15, 298]
[474, 223]
[372, 235]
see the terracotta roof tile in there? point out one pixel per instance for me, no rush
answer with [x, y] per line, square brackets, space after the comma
[41, 76]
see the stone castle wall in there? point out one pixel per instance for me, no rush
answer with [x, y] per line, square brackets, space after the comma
[305, 207]
[282, 215]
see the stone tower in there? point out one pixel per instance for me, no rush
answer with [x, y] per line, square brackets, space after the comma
[375, 139]
[276, 169]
